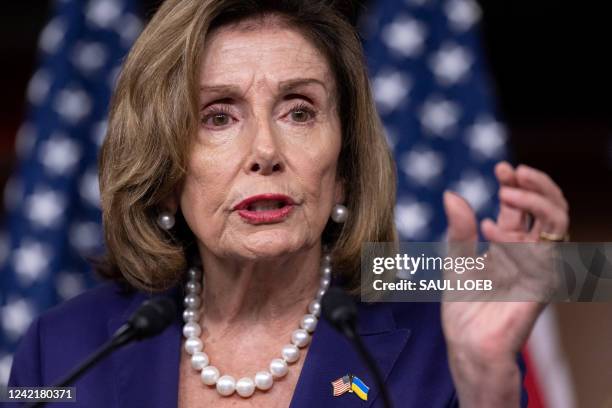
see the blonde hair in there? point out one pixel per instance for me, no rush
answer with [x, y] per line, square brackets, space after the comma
[154, 115]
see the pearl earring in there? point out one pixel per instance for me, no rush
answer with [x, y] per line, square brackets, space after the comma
[339, 213]
[165, 220]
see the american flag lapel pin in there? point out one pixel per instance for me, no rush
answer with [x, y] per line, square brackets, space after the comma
[352, 384]
[341, 385]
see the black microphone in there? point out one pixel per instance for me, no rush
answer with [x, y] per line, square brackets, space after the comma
[340, 310]
[150, 319]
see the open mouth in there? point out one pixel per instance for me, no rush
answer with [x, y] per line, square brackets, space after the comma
[265, 208]
[266, 205]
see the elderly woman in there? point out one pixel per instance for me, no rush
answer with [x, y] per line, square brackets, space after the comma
[243, 168]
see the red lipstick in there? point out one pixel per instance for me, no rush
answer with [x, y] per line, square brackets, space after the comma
[265, 208]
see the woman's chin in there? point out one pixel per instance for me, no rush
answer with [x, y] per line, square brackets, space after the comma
[266, 245]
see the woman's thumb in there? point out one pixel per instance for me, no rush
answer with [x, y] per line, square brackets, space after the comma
[461, 219]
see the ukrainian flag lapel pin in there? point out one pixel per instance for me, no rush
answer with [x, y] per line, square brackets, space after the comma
[350, 383]
[359, 388]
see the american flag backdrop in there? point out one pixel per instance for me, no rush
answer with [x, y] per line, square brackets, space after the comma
[428, 77]
[432, 91]
[52, 199]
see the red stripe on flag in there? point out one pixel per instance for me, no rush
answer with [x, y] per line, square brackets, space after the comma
[534, 389]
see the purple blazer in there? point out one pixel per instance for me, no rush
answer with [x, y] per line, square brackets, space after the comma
[404, 338]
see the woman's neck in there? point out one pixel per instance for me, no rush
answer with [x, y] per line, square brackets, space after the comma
[267, 292]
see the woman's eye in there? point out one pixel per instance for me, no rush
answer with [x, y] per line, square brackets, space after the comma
[221, 117]
[302, 113]
[217, 118]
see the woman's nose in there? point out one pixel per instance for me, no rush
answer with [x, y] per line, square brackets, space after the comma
[259, 168]
[265, 155]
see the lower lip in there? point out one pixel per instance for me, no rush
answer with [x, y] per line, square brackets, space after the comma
[267, 216]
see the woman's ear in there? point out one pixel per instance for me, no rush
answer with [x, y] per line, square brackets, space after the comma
[339, 194]
[171, 202]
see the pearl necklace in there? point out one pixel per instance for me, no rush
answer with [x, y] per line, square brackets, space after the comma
[263, 380]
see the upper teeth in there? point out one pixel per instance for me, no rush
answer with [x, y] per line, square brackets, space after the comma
[265, 205]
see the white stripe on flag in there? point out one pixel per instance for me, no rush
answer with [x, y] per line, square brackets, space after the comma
[550, 366]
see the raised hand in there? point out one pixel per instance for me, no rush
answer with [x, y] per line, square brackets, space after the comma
[483, 338]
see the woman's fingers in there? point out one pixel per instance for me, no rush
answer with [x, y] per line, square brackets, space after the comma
[540, 182]
[492, 232]
[505, 174]
[550, 216]
[509, 218]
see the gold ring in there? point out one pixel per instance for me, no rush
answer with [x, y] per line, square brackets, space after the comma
[547, 236]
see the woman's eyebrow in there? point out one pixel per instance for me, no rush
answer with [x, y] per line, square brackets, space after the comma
[220, 89]
[291, 84]
[283, 86]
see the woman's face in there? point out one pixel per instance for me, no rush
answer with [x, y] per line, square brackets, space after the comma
[261, 178]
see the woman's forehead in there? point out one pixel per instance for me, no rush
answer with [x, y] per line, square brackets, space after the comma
[278, 54]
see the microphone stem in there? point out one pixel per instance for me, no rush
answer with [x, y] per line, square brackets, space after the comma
[370, 363]
[122, 336]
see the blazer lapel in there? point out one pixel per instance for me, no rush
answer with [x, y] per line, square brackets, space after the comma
[331, 356]
[146, 373]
